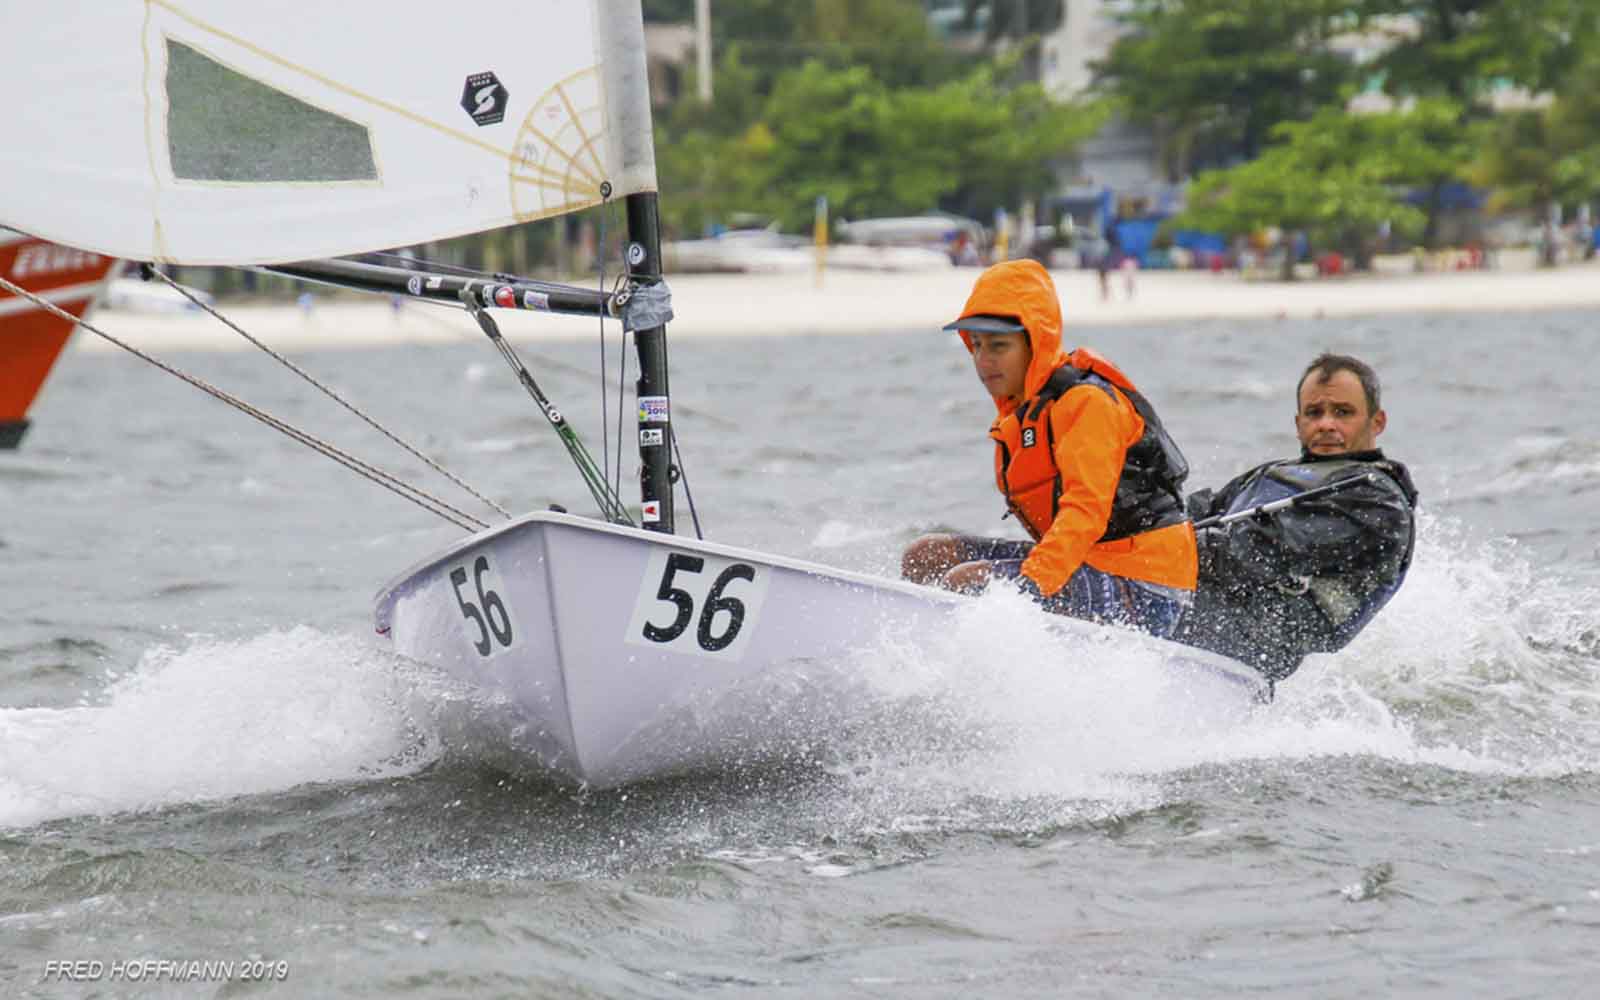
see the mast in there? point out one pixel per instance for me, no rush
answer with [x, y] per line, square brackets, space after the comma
[655, 417]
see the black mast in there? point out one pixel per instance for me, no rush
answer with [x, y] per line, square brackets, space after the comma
[643, 257]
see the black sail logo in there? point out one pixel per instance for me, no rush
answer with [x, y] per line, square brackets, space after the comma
[484, 98]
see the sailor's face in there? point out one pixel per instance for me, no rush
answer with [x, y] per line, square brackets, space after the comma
[1332, 417]
[1002, 361]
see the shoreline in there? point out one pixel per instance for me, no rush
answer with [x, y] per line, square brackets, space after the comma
[856, 302]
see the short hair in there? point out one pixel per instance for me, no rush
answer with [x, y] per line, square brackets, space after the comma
[1327, 365]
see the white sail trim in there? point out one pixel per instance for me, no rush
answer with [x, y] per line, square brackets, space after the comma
[233, 132]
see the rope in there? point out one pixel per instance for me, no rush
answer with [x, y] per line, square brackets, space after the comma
[331, 394]
[385, 479]
[622, 381]
[683, 473]
[605, 442]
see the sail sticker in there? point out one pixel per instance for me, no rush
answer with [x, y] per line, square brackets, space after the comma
[505, 297]
[536, 300]
[650, 512]
[651, 437]
[699, 604]
[652, 409]
[484, 98]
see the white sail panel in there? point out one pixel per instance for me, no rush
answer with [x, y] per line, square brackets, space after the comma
[237, 132]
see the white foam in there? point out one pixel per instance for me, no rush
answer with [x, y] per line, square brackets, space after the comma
[1478, 666]
[212, 720]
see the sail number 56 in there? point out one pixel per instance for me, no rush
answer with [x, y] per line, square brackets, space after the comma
[697, 604]
[482, 607]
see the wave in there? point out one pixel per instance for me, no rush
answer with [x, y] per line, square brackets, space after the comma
[1482, 665]
[213, 720]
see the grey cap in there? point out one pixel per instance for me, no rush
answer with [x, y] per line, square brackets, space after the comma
[987, 323]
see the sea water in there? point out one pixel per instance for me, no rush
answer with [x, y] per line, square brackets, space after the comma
[215, 780]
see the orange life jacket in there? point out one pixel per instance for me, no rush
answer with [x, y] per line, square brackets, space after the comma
[1147, 507]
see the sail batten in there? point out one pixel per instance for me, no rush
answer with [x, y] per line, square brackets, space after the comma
[229, 133]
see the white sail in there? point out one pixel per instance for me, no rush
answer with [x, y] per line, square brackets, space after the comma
[241, 132]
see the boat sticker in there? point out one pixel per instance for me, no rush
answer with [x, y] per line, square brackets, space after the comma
[652, 409]
[698, 604]
[650, 437]
[505, 297]
[486, 619]
[414, 284]
[636, 254]
[488, 295]
[436, 281]
[536, 300]
[1029, 436]
[650, 512]
[484, 98]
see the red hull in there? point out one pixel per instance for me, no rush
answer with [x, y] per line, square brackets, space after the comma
[30, 338]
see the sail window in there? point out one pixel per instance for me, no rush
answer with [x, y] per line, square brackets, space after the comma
[224, 126]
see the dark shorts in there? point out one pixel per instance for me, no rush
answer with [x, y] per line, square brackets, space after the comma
[1089, 593]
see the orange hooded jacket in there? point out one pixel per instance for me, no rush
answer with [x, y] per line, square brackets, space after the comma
[1091, 431]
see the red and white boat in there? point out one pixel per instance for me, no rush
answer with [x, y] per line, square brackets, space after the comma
[31, 338]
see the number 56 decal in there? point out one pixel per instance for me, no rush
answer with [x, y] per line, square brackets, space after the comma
[484, 614]
[697, 604]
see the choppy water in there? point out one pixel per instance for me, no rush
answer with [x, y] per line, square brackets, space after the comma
[205, 755]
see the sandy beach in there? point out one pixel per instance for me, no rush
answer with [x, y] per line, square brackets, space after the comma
[861, 301]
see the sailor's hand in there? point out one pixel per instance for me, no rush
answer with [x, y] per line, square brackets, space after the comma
[968, 578]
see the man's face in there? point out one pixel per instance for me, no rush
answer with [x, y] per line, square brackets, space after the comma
[1002, 361]
[1332, 416]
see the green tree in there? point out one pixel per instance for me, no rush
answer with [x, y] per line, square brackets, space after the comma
[873, 150]
[1333, 178]
[1213, 77]
[1470, 51]
[1013, 19]
[1546, 157]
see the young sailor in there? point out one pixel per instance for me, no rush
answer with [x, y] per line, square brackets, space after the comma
[1084, 464]
[1308, 577]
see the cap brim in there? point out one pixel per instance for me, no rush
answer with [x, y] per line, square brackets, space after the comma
[986, 324]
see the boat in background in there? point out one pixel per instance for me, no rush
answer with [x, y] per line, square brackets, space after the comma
[766, 251]
[31, 339]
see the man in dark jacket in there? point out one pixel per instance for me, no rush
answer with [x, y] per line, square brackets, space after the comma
[1308, 577]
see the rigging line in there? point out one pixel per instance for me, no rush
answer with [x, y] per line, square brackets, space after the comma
[618, 290]
[605, 441]
[694, 515]
[622, 384]
[387, 480]
[594, 478]
[683, 473]
[545, 361]
[325, 390]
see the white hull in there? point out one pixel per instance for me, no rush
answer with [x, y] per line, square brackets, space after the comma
[622, 654]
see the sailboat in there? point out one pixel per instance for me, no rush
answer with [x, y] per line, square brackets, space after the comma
[31, 338]
[228, 134]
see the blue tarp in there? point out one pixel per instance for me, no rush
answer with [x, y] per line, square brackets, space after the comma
[1452, 197]
[1198, 242]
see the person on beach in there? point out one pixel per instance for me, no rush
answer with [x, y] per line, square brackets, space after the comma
[1275, 587]
[1082, 461]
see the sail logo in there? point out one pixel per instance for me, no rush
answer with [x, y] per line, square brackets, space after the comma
[48, 258]
[484, 98]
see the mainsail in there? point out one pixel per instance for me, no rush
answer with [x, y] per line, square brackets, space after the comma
[239, 132]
